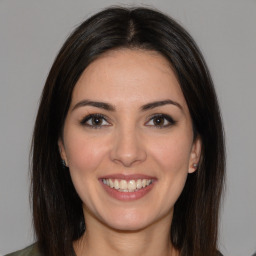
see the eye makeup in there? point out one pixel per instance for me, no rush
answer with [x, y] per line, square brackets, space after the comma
[97, 120]
[161, 121]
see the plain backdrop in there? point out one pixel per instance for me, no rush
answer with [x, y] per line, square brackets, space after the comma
[31, 33]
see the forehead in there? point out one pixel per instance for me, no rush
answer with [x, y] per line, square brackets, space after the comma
[131, 75]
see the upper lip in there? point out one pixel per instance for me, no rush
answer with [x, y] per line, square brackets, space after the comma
[120, 176]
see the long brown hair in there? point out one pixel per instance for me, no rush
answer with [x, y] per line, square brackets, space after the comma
[57, 209]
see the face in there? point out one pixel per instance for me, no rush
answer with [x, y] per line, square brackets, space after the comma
[128, 139]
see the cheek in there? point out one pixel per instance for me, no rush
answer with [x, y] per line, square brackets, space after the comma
[173, 153]
[172, 158]
[84, 153]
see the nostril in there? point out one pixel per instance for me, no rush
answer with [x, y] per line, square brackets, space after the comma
[128, 153]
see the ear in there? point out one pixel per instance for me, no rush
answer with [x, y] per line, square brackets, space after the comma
[62, 151]
[195, 155]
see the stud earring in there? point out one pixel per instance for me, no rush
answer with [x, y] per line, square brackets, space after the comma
[195, 165]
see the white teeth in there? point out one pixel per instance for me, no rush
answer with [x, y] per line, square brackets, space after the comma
[139, 185]
[127, 186]
[123, 184]
[131, 185]
[116, 184]
[111, 183]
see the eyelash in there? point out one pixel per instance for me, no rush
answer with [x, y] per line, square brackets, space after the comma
[90, 118]
[102, 118]
[166, 118]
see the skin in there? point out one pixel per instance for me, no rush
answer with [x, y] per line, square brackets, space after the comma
[128, 140]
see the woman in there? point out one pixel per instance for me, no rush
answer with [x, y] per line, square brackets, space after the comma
[128, 147]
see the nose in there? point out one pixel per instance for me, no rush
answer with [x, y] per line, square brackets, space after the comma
[128, 148]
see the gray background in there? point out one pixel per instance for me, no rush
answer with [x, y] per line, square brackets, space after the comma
[31, 33]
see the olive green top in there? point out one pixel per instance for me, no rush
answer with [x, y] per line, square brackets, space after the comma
[31, 250]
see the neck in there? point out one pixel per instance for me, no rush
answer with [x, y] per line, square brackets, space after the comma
[100, 240]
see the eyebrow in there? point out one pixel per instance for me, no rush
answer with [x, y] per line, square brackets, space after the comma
[109, 107]
[161, 103]
[96, 104]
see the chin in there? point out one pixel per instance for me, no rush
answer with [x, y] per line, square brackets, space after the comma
[132, 225]
[129, 220]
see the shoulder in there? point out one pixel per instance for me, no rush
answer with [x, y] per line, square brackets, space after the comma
[31, 250]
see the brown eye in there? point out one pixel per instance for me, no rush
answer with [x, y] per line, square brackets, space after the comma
[161, 121]
[95, 121]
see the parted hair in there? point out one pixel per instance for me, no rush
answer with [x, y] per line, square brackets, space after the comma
[57, 209]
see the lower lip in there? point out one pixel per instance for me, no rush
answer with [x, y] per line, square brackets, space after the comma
[127, 196]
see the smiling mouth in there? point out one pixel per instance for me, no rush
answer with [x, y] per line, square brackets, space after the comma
[127, 185]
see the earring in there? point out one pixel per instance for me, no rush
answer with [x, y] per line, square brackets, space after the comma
[195, 165]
